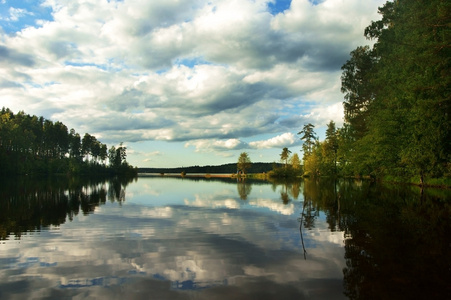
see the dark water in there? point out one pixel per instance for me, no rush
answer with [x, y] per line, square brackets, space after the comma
[170, 238]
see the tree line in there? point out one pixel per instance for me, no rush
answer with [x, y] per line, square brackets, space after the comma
[216, 169]
[397, 101]
[32, 144]
[397, 95]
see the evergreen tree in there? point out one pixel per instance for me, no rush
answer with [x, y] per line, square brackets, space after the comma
[356, 84]
[331, 148]
[285, 155]
[31, 144]
[309, 137]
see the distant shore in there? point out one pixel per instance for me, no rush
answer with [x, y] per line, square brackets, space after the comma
[202, 175]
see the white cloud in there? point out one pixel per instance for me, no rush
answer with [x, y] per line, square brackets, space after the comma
[211, 202]
[216, 145]
[281, 208]
[324, 114]
[283, 140]
[16, 13]
[208, 72]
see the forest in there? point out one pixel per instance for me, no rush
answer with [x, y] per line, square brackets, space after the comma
[35, 145]
[396, 101]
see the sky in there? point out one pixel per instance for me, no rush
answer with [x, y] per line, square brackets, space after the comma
[182, 82]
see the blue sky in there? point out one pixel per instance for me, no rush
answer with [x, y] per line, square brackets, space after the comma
[182, 82]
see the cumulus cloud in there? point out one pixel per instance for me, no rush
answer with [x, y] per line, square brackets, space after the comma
[283, 140]
[216, 145]
[324, 114]
[202, 72]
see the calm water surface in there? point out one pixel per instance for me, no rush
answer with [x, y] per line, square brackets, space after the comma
[173, 238]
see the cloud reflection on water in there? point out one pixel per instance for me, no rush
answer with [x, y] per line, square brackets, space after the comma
[215, 241]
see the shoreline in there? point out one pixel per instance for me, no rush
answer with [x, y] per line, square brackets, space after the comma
[252, 176]
[192, 175]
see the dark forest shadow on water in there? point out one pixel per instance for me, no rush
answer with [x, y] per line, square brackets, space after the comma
[30, 204]
[397, 238]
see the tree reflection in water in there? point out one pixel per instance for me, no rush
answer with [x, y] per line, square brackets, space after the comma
[397, 239]
[394, 241]
[28, 205]
[244, 188]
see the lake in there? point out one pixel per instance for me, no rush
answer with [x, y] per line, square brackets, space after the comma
[219, 238]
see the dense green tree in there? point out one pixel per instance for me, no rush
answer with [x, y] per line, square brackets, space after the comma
[414, 57]
[61, 139]
[112, 156]
[356, 84]
[31, 144]
[345, 150]
[331, 147]
[103, 154]
[397, 99]
[313, 163]
[122, 152]
[95, 150]
[49, 138]
[117, 156]
[74, 145]
[87, 144]
[244, 162]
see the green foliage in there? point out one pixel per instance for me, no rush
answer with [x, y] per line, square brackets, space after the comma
[289, 171]
[320, 158]
[397, 95]
[285, 172]
[330, 149]
[296, 162]
[356, 84]
[313, 163]
[31, 144]
[244, 162]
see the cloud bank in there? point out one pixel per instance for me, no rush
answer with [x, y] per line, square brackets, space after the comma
[219, 72]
